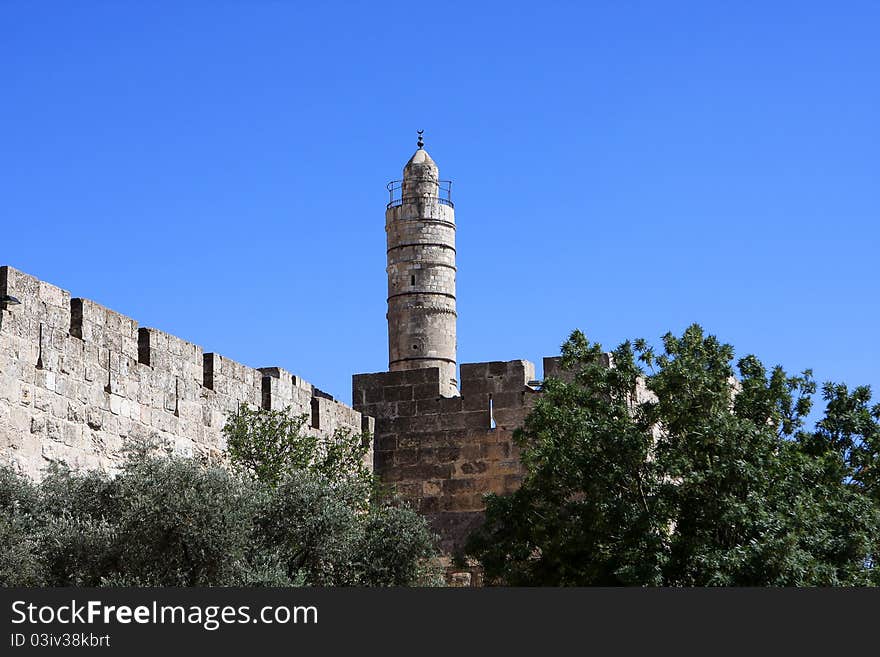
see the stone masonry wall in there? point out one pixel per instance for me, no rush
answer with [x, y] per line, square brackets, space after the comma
[443, 453]
[78, 381]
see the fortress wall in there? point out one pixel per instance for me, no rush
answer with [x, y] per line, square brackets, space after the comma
[442, 453]
[79, 381]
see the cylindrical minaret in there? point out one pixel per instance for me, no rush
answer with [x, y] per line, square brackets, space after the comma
[420, 228]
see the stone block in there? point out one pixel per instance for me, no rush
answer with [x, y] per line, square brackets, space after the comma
[407, 457]
[473, 371]
[496, 451]
[475, 401]
[398, 393]
[456, 486]
[472, 468]
[430, 390]
[423, 471]
[385, 442]
[427, 406]
[447, 422]
[448, 453]
[501, 400]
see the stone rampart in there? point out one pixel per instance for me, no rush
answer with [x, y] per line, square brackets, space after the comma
[444, 454]
[78, 381]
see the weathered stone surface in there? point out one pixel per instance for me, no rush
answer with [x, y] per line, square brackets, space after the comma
[78, 381]
[443, 453]
[421, 272]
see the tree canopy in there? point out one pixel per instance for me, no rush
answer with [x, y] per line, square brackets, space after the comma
[271, 444]
[312, 517]
[683, 468]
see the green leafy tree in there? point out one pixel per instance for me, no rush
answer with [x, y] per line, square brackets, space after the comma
[396, 548]
[326, 537]
[680, 469]
[164, 521]
[185, 524]
[273, 443]
[328, 520]
[20, 561]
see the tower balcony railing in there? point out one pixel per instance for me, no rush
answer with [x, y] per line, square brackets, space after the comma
[396, 197]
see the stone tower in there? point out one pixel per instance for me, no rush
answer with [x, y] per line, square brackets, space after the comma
[420, 228]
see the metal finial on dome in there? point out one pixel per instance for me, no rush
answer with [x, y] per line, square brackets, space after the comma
[421, 141]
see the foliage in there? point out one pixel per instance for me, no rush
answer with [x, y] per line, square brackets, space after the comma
[680, 469]
[328, 521]
[271, 444]
[19, 556]
[396, 546]
[326, 539]
[177, 522]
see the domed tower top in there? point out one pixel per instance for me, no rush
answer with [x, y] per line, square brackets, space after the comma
[420, 159]
[420, 175]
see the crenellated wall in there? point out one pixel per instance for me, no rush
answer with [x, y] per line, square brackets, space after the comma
[78, 381]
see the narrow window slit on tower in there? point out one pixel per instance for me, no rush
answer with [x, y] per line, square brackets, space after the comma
[492, 424]
[76, 318]
[40, 349]
[208, 371]
[143, 346]
[109, 387]
[266, 390]
[316, 415]
[412, 279]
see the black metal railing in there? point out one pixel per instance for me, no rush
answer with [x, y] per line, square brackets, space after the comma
[396, 197]
[415, 199]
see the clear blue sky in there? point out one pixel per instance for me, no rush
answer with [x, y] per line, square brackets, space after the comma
[217, 170]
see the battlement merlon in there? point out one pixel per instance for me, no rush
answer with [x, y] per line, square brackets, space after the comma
[79, 379]
[501, 385]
